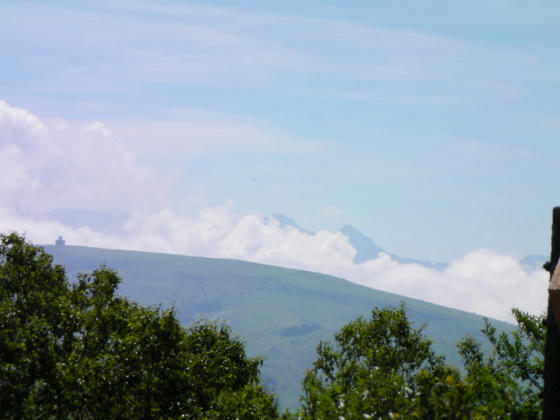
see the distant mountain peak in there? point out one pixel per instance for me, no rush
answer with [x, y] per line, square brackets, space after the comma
[288, 221]
[349, 228]
[366, 248]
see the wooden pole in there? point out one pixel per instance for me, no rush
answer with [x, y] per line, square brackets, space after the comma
[551, 405]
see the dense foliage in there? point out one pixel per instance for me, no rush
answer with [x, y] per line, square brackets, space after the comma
[382, 367]
[77, 350]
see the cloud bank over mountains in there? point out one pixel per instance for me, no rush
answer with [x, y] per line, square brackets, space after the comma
[53, 165]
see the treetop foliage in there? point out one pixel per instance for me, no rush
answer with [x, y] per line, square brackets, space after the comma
[383, 367]
[78, 350]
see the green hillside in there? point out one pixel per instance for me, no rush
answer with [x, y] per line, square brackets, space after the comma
[281, 313]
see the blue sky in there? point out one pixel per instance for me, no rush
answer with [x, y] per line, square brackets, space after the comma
[431, 126]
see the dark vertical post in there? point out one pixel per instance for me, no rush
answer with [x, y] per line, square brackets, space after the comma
[551, 406]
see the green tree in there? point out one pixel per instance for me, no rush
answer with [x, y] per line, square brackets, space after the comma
[78, 350]
[507, 382]
[371, 371]
[384, 368]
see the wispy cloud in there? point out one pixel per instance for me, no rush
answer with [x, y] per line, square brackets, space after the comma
[189, 132]
[104, 49]
[118, 47]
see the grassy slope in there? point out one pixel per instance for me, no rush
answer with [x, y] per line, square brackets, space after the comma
[281, 313]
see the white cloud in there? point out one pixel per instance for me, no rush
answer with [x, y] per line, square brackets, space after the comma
[49, 165]
[18, 124]
[98, 128]
[482, 281]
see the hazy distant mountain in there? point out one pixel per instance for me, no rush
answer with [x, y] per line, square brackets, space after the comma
[427, 264]
[288, 221]
[366, 248]
[281, 313]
